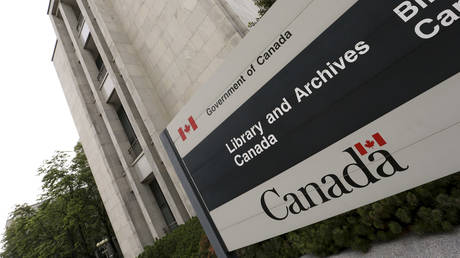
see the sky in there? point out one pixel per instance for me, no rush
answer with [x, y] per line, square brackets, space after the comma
[35, 117]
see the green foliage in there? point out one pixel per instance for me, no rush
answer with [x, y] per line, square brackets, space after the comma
[69, 219]
[272, 248]
[206, 249]
[431, 208]
[263, 5]
[184, 241]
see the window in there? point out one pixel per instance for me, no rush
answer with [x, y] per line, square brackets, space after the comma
[163, 205]
[101, 68]
[91, 47]
[135, 150]
[99, 62]
[80, 22]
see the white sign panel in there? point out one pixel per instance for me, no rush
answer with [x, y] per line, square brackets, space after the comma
[326, 106]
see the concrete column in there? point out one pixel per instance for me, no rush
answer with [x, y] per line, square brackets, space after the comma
[106, 168]
[151, 215]
[139, 102]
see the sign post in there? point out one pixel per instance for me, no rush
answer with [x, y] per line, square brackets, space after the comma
[194, 197]
[325, 106]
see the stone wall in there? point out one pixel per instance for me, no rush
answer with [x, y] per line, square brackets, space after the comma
[179, 42]
[119, 203]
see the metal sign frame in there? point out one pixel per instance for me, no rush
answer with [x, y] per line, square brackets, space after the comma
[195, 198]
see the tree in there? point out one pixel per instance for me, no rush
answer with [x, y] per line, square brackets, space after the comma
[70, 217]
[263, 5]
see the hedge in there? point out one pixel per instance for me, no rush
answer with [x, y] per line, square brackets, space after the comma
[431, 208]
[184, 241]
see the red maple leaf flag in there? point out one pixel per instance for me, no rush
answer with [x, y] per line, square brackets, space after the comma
[191, 124]
[187, 128]
[370, 144]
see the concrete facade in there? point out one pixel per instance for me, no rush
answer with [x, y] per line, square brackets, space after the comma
[126, 68]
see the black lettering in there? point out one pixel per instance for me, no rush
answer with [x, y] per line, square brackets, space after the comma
[388, 159]
[359, 163]
[304, 191]
[267, 210]
[338, 183]
[296, 207]
[260, 60]
[282, 39]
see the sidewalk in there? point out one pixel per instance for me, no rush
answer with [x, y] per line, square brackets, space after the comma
[441, 245]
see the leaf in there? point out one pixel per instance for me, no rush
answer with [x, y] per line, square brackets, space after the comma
[69, 219]
[369, 144]
[187, 128]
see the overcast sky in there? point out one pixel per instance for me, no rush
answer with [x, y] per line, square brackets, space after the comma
[35, 118]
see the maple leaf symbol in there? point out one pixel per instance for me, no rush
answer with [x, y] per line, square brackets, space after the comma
[187, 128]
[369, 144]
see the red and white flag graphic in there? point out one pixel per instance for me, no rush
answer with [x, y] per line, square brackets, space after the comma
[370, 144]
[187, 128]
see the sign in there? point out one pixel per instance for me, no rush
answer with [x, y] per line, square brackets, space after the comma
[324, 107]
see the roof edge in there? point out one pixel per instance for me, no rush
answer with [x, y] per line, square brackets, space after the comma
[54, 51]
[52, 7]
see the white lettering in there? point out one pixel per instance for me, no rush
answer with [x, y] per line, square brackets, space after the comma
[423, 35]
[406, 11]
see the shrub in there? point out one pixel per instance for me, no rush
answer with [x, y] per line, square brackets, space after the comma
[430, 208]
[184, 241]
[263, 6]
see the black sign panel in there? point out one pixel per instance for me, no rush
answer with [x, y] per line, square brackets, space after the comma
[397, 66]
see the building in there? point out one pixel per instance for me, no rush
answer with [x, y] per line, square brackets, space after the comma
[126, 68]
